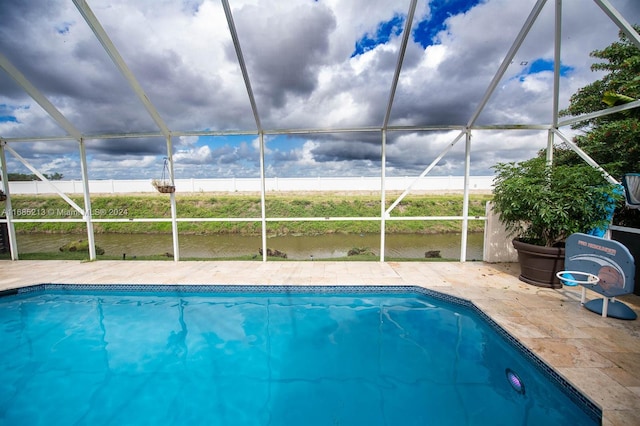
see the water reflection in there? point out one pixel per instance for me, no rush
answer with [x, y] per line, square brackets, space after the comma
[176, 343]
[296, 247]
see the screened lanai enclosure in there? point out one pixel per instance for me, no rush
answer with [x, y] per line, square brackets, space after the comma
[109, 89]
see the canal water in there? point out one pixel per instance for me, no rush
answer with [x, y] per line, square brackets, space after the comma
[296, 247]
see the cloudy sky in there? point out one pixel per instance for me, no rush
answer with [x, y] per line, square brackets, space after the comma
[325, 64]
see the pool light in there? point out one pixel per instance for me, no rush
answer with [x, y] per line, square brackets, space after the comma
[514, 381]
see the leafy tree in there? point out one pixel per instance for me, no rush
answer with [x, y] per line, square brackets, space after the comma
[55, 176]
[21, 177]
[612, 140]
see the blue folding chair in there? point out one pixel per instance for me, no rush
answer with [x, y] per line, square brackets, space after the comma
[601, 232]
[631, 184]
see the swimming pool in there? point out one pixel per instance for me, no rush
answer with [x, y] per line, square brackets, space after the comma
[258, 355]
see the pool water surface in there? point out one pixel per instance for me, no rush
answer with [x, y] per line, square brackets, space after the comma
[246, 355]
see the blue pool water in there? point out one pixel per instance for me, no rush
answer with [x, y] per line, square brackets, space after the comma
[267, 356]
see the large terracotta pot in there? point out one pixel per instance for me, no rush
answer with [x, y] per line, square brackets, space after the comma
[538, 264]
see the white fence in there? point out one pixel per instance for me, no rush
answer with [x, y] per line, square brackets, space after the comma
[436, 183]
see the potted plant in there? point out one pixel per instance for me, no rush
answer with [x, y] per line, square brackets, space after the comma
[541, 205]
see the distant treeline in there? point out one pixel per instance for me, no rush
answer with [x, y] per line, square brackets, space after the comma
[27, 177]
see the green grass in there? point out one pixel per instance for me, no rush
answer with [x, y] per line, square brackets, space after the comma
[320, 205]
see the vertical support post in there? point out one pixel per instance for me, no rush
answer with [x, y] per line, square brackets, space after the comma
[550, 140]
[556, 80]
[383, 198]
[465, 201]
[172, 198]
[263, 207]
[557, 62]
[13, 244]
[87, 201]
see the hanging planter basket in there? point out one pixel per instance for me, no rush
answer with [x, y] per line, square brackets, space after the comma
[163, 185]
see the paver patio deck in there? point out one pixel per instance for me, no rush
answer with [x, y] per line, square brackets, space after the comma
[600, 356]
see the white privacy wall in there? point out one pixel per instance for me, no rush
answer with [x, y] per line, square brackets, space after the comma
[438, 183]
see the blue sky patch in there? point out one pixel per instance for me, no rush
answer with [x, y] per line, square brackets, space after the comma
[7, 114]
[427, 29]
[383, 34]
[286, 142]
[542, 65]
[63, 28]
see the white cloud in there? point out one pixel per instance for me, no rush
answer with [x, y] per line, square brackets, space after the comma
[537, 83]
[200, 155]
[130, 168]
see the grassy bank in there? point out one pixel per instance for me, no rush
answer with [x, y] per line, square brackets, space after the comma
[286, 205]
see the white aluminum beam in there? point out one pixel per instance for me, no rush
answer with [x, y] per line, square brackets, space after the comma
[383, 194]
[401, 53]
[13, 243]
[507, 60]
[424, 173]
[44, 179]
[87, 201]
[322, 130]
[409, 218]
[435, 128]
[79, 220]
[590, 161]
[597, 114]
[619, 20]
[256, 116]
[39, 98]
[172, 200]
[39, 139]
[556, 80]
[465, 198]
[243, 65]
[216, 133]
[557, 57]
[117, 59]
[252, 219]
[263, 200]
